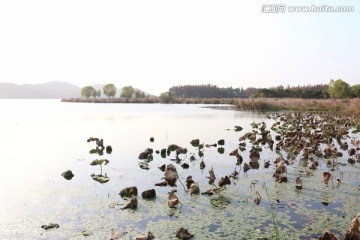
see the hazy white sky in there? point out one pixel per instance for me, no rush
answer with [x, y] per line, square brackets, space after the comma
[153, 45]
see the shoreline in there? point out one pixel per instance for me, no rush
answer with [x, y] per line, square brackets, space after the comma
[348, 107]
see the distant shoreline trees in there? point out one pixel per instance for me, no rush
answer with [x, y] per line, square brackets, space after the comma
[335, 89]
[109, 90]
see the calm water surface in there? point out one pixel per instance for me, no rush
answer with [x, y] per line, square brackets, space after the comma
[40, 139]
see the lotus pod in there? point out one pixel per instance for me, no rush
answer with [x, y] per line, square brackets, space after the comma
[183, 233]
[202, 164]
[298, 183]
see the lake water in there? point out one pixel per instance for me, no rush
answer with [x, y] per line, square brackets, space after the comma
[40, 139]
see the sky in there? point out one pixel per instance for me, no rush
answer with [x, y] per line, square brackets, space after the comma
[154, 45]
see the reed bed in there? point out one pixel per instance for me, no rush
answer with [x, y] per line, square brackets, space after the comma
[350, 107]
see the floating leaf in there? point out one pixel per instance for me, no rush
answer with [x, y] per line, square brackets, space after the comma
[99, 162]
[100, 178]
[86, 233]
[183, 233]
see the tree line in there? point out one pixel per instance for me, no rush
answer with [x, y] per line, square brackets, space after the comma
[110, 90]
[335, 89]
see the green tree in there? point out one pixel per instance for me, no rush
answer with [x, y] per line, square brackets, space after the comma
[139, 94]
[109, 90]
[355, 90]
[127, 92]
[339, 89]
[88, 91]
[98, 93]
[167, 97]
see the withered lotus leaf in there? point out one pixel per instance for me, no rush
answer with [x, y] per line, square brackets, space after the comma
[147, 236]
[171, 175]
[326, 177]
[183, 233]
[129, 192]
[132, 204]
[194, 188]
[246, 167]
[116, 234]
[148, 194]
[355, 224]
[224, 181]
[328, 236]
[173, 200]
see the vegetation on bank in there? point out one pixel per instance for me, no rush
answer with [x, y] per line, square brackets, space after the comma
[335, 89]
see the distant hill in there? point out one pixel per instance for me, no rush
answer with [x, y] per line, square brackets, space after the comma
[48, 90]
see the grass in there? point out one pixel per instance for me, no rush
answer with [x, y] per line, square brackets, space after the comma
[276, 228]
